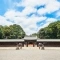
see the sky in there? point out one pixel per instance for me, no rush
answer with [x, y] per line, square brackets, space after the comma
[31, 15]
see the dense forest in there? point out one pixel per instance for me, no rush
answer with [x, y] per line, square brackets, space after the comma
[50, 32]
[11, 32]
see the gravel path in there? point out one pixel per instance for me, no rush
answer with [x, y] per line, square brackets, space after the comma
[29, 54]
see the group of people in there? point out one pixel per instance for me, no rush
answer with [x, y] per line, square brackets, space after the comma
[19, 46]
[40, 45]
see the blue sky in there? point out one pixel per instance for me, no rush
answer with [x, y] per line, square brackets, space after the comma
[32, 15]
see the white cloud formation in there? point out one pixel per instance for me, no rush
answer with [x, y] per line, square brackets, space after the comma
[48, 21]
[3, 21]
[28, 10]
[29, 24]
[32, 3]
[50, 6]
[58, 14]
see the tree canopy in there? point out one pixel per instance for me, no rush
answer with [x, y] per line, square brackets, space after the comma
[11, 32]
[34, 34]
[50, 32]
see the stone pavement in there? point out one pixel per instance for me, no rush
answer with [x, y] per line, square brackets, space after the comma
[30, 53]
[29, 48]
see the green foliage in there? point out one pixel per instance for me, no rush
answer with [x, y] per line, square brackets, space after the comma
[34, 34]
[50, 32]
[1, 34]
[6, 31]
[11, 32]
[41, 33]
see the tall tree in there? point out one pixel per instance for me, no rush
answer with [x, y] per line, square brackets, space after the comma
[12, 32]
[7, 31]
[51, 32]
[17, 31]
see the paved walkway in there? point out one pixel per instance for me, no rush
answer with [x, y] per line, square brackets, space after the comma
[30, 53]
[30, 48]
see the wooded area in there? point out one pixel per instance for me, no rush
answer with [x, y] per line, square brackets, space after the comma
[11, 32]
[50, 32]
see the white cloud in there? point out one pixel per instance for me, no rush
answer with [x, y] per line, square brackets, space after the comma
[29, 23]
[3, 21]
[9, 14]
[42, 11]
[58, 14]
[50, 6]
[48, 21]
[28, 10]
[31, 3]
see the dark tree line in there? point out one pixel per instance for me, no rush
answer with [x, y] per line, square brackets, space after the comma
[11, 32]
[50, 32]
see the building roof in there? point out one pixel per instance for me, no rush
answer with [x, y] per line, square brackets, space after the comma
[11, 40]
[48, 40]
[30, 38]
